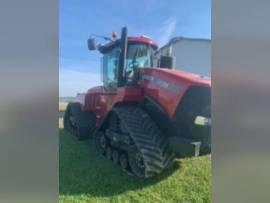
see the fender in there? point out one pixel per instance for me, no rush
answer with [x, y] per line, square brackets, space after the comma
[158, 114]
[104, 122]
[101, 101]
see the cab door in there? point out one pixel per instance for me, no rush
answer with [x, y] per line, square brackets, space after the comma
[110, 63]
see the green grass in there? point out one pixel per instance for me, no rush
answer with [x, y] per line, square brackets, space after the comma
[85, 177]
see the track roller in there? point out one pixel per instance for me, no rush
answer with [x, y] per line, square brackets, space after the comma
[136, 162]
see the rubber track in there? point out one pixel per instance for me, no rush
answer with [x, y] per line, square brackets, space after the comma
[84, 120]
[148, 139]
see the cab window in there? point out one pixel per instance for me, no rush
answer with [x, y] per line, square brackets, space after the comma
[110, 67]
[138, 56]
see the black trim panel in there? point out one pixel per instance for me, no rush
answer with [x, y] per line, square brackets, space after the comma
[158, 114]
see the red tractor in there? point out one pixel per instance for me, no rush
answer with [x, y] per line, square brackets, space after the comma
[143, 116]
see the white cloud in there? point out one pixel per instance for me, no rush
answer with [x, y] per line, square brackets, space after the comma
[72, 82]
[166, 31]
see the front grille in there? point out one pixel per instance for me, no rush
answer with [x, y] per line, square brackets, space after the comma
[196, 101]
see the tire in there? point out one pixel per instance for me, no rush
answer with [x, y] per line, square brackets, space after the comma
[148, 142]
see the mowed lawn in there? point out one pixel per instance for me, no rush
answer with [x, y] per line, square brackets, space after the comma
[86, 177]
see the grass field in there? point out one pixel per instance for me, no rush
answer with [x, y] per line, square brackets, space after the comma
[87, 178]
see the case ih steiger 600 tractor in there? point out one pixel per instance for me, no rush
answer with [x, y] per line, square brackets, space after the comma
[143, 116]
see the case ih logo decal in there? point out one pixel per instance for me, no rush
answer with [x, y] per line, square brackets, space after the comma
[162, 83]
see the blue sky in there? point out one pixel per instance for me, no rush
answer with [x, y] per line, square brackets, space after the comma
[160, 19]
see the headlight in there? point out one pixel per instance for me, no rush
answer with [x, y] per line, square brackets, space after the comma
[202, 121]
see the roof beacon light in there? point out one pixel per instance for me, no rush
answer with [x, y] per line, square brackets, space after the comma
[114, 35]
[145, 36]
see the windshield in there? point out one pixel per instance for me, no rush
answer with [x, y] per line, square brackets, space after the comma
[138, 56]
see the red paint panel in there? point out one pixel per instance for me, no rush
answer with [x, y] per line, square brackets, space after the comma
[166, 87]
[101, 101]
[144, 40]
[154, 83]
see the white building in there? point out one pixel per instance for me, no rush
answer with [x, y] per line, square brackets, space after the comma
[191, 55]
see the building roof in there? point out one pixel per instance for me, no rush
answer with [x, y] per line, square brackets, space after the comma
[178, 39]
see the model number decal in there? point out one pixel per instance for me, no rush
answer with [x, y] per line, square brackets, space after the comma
[162, 83]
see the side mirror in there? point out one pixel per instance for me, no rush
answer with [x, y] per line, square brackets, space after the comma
[167, 62]
[91, 44]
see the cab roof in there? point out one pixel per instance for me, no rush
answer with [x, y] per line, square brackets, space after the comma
[142, 39]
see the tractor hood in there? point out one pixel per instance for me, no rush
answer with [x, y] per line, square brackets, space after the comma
[167, 86]
[175, 77]
[188, 76]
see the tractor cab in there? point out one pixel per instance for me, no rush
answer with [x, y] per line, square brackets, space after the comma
[139, 54]
[123, 58]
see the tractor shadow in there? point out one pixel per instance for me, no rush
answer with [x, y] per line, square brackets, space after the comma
[82, 171]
